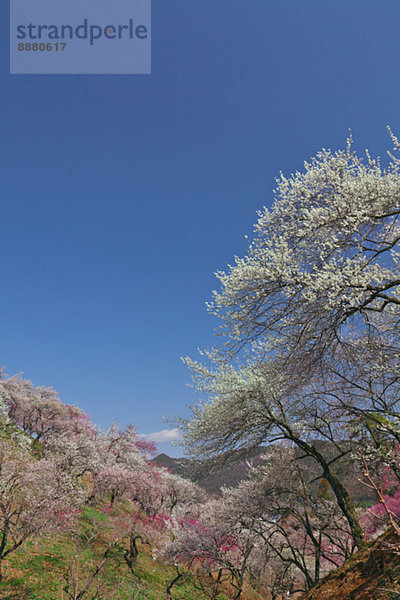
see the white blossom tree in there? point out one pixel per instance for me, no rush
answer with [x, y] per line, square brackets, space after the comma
[326, 255]
[310, 317]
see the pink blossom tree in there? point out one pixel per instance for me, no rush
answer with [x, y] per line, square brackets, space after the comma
[386, 511]
[37, 410]
[214, 546]
[124, 468]
[36, 498]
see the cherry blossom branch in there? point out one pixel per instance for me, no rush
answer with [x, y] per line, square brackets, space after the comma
[378, 490]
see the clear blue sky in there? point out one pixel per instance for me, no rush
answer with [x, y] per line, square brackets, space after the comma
[121, 195]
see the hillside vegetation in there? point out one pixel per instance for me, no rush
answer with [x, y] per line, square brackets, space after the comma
[308, 367]
[86, 515]
[38, 573]
[306, 383]
[371, 573]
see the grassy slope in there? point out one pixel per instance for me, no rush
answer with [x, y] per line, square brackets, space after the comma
[370, 574]
[36, 571]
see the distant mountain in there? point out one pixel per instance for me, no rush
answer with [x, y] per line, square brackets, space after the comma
[212, 477]
[234, 467]
[172, 464]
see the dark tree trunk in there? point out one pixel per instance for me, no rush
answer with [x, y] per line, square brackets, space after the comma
[343, 498]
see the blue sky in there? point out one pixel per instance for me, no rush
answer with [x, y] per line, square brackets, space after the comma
[122, 195]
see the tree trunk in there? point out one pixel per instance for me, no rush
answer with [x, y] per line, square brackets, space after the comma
[347, 507]
[171, 584]
[343, 498]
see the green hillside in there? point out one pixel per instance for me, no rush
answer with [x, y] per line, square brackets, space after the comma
[37, 572]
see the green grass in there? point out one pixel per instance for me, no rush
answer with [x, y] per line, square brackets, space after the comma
[35, 572]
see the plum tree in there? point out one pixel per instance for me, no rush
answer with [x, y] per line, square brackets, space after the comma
[36, 497]
[310, 318]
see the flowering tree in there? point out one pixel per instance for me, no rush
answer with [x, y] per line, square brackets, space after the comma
[326, 254]
[201, 548]
[124, 468]
[303, 526]
[54, 462]
[36, 497]
[100, 538]
[214, 544]
[311, 313]
[384, 482]
[178, 495]
[144, 494]
[275, 528]
[136, 526]
[254, 405]
[37, 410]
